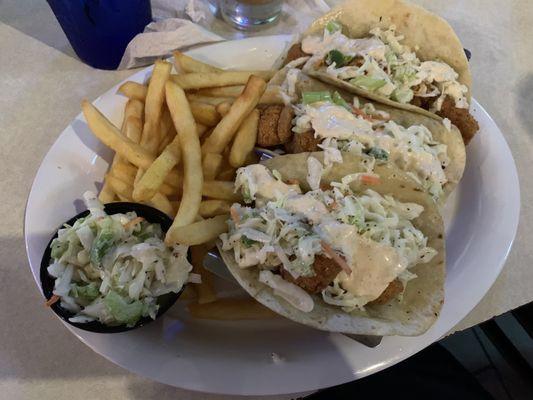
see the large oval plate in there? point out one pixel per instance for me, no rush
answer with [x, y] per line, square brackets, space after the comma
[235, 357]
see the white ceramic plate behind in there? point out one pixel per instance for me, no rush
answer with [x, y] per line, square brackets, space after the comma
[235, 357]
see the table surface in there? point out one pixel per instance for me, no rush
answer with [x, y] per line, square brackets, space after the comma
[41, 86]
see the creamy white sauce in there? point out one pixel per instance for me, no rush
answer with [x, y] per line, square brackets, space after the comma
[261, 183]
[329, 120]
[407, 147]
[373, 265]
[306, 205]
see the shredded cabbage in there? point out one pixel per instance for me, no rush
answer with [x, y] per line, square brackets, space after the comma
[364, 130]
[381, 64]
[111, 271]
[287, 232]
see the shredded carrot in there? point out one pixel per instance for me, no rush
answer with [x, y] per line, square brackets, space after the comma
[293, 182]
[133, 222]
[370, 180]
[52, 300]
[335, 257]
[361, 113]
[234, 215]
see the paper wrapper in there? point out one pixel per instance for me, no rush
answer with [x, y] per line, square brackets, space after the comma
[181, 24]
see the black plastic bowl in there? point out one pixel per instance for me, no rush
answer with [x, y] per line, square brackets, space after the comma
[47, 282]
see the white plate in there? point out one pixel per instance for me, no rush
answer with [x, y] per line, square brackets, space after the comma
[235, 357]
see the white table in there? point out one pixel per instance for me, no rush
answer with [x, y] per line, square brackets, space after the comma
[41, 86]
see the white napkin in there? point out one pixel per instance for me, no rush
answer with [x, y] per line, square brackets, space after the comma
[180, 24]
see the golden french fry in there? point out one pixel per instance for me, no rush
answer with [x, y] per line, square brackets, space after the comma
[131, 128]
[227, 127]
[271, 95]
[192, 158]
[169, 191]
[224, 91]
[221, 190]
[209, 100]
[244, 141]
[198, 232]
[120, 187]
[155, 175]
[204, 113]
[185, 63]
[211, 164]
[206, 292]
[122, 198]
[223, 108]
[104, 130]
[231, 309]
[199, 80]
[133, 90]
[106, 195]
[201, 129]
[153, 109]
[211, 208]
[123, 172]
[161, 202]
[227, 174]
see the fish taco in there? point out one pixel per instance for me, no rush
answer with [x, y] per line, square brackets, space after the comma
[337, 248]
[320, 117]
[394, 52]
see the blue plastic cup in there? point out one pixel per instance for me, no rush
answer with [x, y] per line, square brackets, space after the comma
[100, 30]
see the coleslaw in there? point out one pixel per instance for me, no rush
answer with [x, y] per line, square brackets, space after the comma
[112, 268]
[371, 234]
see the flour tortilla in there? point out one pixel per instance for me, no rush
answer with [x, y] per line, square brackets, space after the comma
[434, 38]
[452, 138]
[423, 297]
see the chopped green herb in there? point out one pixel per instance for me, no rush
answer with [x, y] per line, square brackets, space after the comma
[337, 99]
[247, 242]
[313, 97]
[333, 26]
[378, 153]
[340, 60]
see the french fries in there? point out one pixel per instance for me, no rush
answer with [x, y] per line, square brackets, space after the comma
[244, 141]
[198, 232]
[104, 130]
[223, 108]
[209, 100]
[271, 95]
[161, 202]
[192, 159]
[243, 105]
[224, 91]
[120, 187]
[155, 175]
[211, 165]
[199, 80]
[231, 309]
[185, 63]
[221, 190]
[212, 208]
[159, 160]
[133, 90]
[205, 291]
[204, 113]
[106, 195]
[155, 98]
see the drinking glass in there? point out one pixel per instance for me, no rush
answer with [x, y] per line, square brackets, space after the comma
[244, 14]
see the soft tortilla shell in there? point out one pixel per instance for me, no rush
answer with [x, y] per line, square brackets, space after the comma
[452, 139]
[423, 296]
[434, 37]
